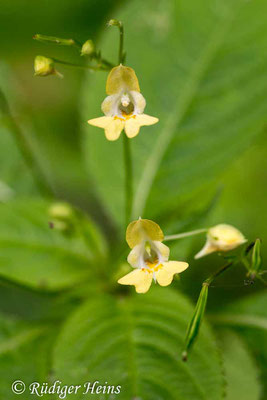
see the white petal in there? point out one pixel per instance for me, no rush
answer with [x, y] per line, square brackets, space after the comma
[135, 256]
[162, 249]
[139, 102]
[109, 105]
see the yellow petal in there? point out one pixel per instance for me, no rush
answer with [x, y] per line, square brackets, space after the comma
[144, 119]
[132, 127]
[121, 78]
[139, 278]
[143, 229]
[165, 275]
[135, 255]
[113, 130]
[112, 127]
[101, 122]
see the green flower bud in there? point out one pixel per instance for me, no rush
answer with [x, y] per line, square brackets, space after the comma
[60, 211]
[62, 217]
[88, 48]
[43, 66]
[114, 22]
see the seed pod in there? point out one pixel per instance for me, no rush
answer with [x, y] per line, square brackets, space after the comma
[194, 325]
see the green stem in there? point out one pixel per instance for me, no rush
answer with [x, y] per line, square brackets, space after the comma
[128, 178]
[121, 55]
[217, 273]
[97, 57]
[195, 323]
[126, 142]
[56, 40]
[91, 68]
[185, 234]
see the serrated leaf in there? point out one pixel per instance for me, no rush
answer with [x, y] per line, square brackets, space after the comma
[202, 68]
[136, 343]
[241, 371]
[32, 254]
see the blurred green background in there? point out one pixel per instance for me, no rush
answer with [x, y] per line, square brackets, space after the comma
[52, 115]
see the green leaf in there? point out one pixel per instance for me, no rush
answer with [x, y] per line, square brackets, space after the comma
[249, 317]
[202, 69]
[24, 355]
[15, 174]
[137, 342]
[241, 373]
[32, 254]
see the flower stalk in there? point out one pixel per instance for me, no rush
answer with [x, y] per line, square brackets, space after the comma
[126, 142]
[57, 40]
[185, 234]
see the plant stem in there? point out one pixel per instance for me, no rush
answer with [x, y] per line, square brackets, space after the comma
[126, 142]
[121, 55]
[56, 40]
[128, 178]
[185, 234]
[97, 68]
[217, 273]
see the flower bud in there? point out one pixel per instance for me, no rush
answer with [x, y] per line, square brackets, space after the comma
[62, 216]
[221, 237]
[61, 211]
[114, 22]
[44, 66]
[88, 48]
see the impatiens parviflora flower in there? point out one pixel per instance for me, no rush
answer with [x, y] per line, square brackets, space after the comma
[221, 237]
[149, 256]
[44, 66]
[124, 105]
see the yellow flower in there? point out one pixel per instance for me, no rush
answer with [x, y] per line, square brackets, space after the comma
[124, 106]
[221, 237]
[149, 256]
